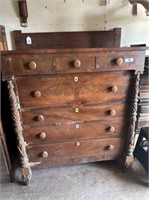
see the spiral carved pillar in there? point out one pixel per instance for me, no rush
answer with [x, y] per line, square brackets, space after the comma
[24, 161]
[132, 134]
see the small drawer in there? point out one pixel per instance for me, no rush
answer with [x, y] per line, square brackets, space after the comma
[77, 151]
[57, 133]
[45, 91]
[71, 114]
[124, 60]
[104, 87]
[74, 63]
[27, 64]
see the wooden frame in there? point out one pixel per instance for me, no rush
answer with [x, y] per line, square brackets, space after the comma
[59, 40]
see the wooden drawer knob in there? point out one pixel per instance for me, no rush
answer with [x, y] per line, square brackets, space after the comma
[37, 94]
[112, 112]
[114, 88]
[40, 118]
[32, 65]
[111, 147]
[119, 61]
[44, 154]
[42, 135]
[77, 63]
[111, 129]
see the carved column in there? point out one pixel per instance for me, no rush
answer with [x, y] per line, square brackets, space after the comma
[25, 165]
[132, 135]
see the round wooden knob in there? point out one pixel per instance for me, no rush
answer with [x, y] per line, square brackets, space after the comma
[32, 65]
[111, 129]
[77, 110]
[119, 61]
[78, 144]
[77, 63]
[37, 94]
[42, 135]
[40, 118]
[44, 154]
[112, 112]
[114, 88]
[111, 147]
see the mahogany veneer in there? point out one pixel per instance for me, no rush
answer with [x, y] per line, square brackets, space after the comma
[73, 105]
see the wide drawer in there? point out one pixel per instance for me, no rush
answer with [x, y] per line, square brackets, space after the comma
[71, 62]
[71, 114]
[97, 129]
[67, 89]
[79, 151]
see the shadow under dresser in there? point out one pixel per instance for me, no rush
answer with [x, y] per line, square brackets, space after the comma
[73, 106]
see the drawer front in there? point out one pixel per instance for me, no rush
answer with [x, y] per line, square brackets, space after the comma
[74, 63]
[67, 115]
[79, 151]
[103, 87]
[45, 91]
[27, 64]
[50, 134]
[130, 60]
[62, 90]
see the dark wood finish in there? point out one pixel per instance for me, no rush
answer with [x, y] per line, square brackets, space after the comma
[59, 40]
[75, 152]
[68, 114]
[76, 108]
[74, 131]
[23, 12]
[100, 60]
[63, 90]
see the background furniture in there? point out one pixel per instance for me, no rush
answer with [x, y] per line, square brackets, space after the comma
[5, 164]
[60, 40]
[141, 150]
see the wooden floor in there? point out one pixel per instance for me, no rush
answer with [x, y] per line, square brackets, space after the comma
[94, 181]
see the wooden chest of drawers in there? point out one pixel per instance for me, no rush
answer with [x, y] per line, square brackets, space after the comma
[74, 105]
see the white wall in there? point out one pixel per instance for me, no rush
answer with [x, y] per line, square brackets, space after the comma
[78, 15]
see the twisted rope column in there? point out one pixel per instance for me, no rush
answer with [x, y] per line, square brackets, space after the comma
[26, 170]
[133, 119]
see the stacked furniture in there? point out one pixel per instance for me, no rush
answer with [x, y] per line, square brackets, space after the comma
[143, 106]
[5, 163]
[141, 150]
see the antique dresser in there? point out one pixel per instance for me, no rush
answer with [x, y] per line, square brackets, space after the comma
[73, 106]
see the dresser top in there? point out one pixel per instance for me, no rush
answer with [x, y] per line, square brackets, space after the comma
[77, 50]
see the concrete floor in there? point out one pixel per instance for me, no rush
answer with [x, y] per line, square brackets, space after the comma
[94, 181]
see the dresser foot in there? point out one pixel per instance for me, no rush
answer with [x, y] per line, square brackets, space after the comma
[128, 161]
[26, 175]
